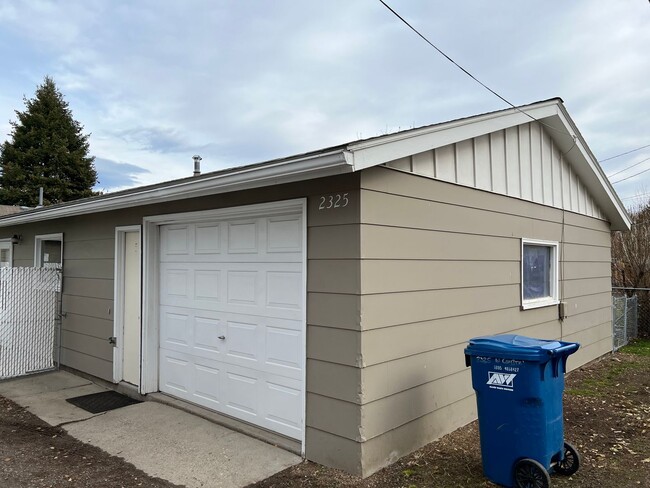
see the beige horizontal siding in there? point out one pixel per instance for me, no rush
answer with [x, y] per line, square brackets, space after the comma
[87, 363]
[100, 308]
[333, 242]
[333, 310]
[578, 253]
[338, 346]
[581, 321]
[390, 343]
[91, 326]
[380, 242]
[101, 268]
[589, 352]
[393, 411]
[415, 434]
[333, 450]
[97, 347]
[592, 335]
[347, 387]
[588, 286]
[400, 211]
[90, 248]
[401, 308]
[441, 264]
[335, 416]
[391, 276]
[333, 276]
[89, 287]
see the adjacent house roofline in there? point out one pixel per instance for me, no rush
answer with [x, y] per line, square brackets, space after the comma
[356, 156]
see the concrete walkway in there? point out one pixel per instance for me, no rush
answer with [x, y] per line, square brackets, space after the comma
[160, 440]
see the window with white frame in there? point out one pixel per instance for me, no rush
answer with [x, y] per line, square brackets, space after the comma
[6, 253]
[48, 251]
[539, 273]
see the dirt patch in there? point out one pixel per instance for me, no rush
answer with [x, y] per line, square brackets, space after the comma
[607, 411]
[607, 417]
[34, 454]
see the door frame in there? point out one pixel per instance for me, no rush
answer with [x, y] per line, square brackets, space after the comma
[118, 295]
[151, 285]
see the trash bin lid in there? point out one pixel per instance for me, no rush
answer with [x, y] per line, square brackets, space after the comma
[513, 346]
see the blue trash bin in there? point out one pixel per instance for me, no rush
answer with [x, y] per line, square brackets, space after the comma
[519, 383]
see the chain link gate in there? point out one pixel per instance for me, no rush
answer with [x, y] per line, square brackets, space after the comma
[30, 316]
[625, 319]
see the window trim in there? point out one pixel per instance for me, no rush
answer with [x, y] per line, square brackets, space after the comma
[11, 250]
[553, 299]
[38, 240]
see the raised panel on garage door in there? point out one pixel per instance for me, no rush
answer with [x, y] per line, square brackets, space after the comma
[232, 318]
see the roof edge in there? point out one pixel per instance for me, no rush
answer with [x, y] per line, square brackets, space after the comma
[285, 171]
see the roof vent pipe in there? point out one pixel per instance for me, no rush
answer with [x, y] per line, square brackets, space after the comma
[40, 197]
[197, 164]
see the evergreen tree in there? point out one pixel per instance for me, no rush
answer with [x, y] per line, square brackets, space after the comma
[47, 148]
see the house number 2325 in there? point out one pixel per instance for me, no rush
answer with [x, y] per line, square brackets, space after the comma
[337, 200]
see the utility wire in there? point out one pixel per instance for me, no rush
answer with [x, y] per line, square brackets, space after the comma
[629, 167]
[424, 38]
[471, 75]
[622, 154]
[631, 176]
[640, 195]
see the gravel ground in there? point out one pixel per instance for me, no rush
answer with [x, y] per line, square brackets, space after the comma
[607, 411]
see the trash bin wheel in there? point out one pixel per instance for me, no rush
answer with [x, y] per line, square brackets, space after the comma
[531, 474]
[570, 463]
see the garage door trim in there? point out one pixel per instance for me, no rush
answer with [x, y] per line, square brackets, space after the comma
[151, 277]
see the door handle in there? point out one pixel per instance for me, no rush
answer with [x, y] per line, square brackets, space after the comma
[223, 338]
[112, 341]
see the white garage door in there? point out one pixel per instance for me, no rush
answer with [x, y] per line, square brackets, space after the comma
[232, 318]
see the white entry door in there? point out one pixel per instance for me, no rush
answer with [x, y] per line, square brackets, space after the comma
[232, 318]
[128, 323]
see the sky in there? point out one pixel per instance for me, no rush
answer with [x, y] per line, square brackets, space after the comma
[237, 82]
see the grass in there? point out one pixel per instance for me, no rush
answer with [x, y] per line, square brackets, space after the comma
[640, 347]
[600, 387]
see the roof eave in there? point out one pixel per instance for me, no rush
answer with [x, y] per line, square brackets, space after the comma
[287, 171]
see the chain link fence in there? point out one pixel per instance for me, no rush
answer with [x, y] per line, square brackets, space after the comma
[625, 319]
[30, 304]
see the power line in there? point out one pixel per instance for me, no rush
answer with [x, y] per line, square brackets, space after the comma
[629, 167]
[631, 176]
[622, 154]
[640, 195]
[472, 76]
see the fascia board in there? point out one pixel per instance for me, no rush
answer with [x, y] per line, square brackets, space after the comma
[389, 148]
[586, 166]
[327, 164]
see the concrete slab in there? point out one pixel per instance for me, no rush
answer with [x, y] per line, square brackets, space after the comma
[161, 440]
[44, 395]
[182, 448]
[40, 383]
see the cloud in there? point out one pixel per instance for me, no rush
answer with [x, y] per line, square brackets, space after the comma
[115, 176]
[240, 82]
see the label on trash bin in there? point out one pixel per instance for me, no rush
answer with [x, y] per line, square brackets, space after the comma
[499, 380]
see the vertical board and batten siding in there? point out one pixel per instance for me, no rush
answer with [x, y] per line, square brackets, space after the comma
[521, 162]
[440, 263]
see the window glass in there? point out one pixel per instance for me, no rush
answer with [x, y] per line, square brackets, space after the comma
[537, 262]
[50, 253]
[5, 258]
